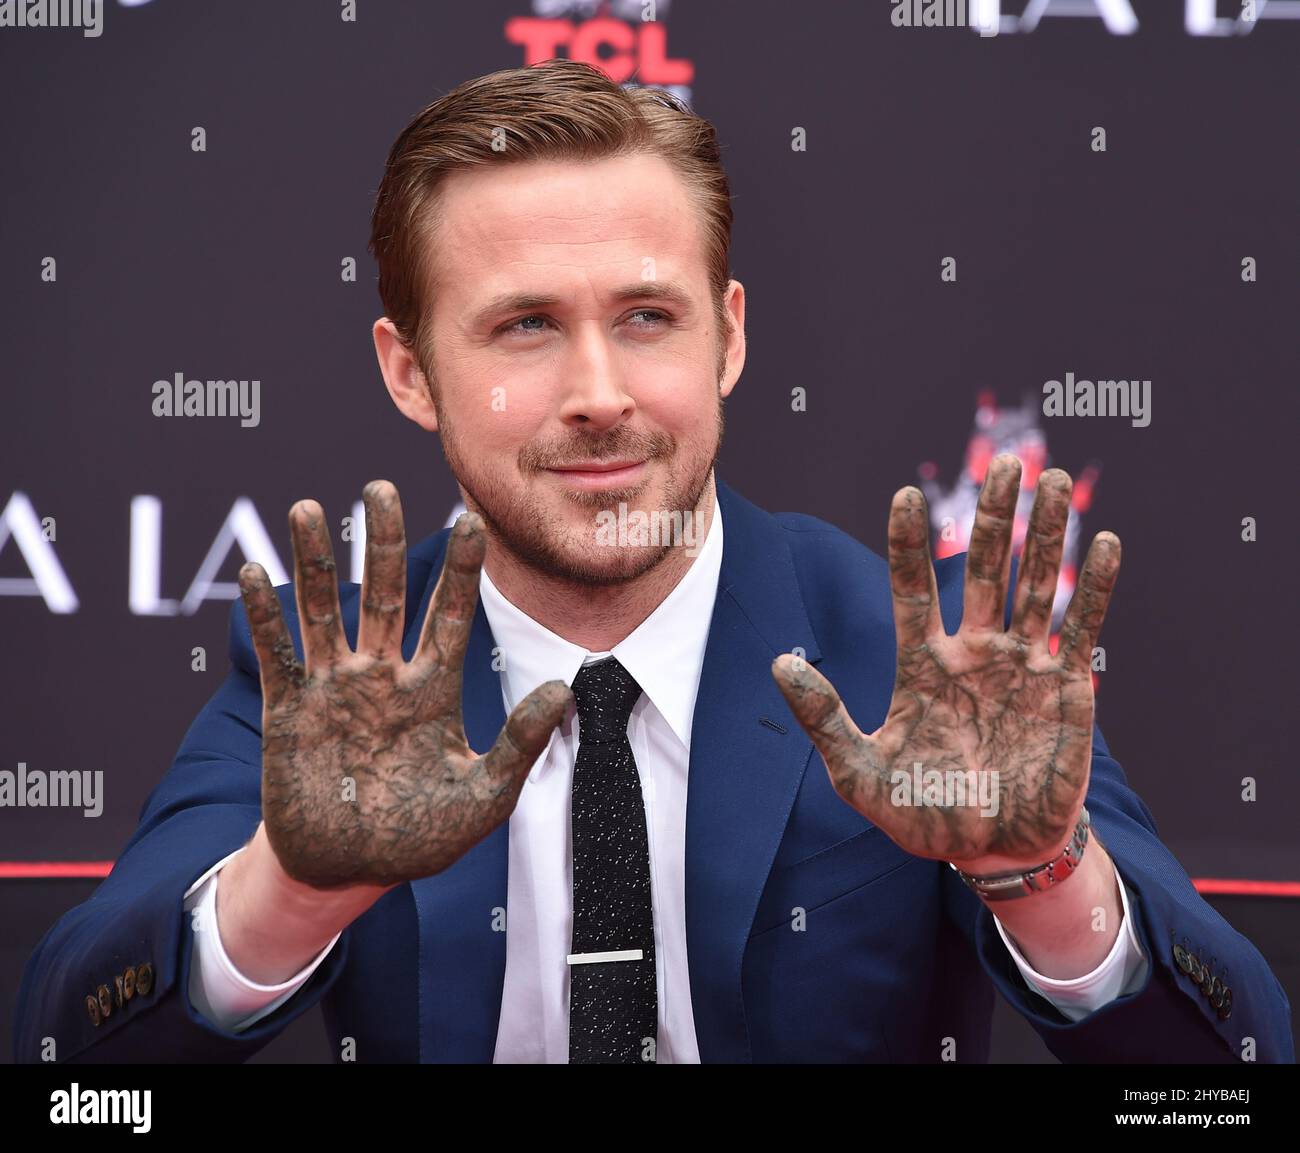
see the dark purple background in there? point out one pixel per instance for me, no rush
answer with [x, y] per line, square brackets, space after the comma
[921, 144]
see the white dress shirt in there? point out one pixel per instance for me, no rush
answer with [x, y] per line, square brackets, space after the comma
[665, 655]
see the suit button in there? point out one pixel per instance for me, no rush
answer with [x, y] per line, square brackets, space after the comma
[1195, 971]
[1182, 959]
[92, 1011]
[1225, 1010]
[117, 990]
[105, 1001]
[128, 982]
[1207, 982]
[144, 979]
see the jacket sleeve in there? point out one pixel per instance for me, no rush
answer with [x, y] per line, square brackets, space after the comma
[108, 983]
[1196, 958]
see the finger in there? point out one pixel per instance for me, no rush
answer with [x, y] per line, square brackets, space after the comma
[317, 587]
[1088, 606]
[819, 709]
[450, 618]
[383, 584]
[1031, 613]
[525, 735]
[277, 663]
[911, 572]
[988, 560]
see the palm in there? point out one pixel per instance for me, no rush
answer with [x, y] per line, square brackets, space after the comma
[363, 765]
[367, 777]
[985, 750]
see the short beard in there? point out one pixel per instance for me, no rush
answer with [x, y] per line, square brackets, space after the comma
[519, 523]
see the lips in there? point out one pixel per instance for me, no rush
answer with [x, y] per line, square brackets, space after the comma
[596, 466]
[599, 473]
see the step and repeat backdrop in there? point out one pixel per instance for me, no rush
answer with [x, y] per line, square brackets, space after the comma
[1065, 229]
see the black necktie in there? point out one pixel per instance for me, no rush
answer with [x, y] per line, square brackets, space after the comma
[613, 1003]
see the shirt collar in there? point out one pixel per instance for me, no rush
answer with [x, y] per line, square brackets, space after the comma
[664, 653]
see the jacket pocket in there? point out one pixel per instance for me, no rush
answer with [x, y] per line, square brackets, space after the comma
[827, 874]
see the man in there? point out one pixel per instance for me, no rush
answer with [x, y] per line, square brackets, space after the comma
[646, 863]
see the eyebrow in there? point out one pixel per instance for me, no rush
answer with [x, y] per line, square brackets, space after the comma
[668, 291]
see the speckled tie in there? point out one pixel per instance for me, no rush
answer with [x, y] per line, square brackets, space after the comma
[613, 1002]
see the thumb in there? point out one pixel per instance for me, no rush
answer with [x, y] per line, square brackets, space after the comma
[819, 709]
[526, 733]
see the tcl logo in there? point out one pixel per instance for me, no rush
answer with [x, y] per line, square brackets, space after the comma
[617, 47]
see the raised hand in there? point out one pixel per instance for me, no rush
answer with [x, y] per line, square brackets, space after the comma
[995, 708]
[366, 774]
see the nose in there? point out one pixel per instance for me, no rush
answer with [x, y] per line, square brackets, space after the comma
[595, 393]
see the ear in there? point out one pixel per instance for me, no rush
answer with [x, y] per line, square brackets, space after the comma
[735, 308]
[403, 376]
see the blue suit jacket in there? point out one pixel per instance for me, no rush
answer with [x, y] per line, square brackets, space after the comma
[896, 954]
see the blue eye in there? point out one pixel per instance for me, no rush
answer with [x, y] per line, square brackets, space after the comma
[514, 326]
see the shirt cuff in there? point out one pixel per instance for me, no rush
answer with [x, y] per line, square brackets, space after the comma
[217, 989]
[1123, 970]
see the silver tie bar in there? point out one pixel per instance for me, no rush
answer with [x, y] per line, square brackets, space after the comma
[615, 955]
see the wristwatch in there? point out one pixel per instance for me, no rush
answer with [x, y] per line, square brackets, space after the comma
[1008, 886]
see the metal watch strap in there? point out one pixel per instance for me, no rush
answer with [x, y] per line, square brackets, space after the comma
[1008, 886]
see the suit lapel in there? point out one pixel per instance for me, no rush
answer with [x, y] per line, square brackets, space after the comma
[744, 773]
[462, 955]
[747, 760]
